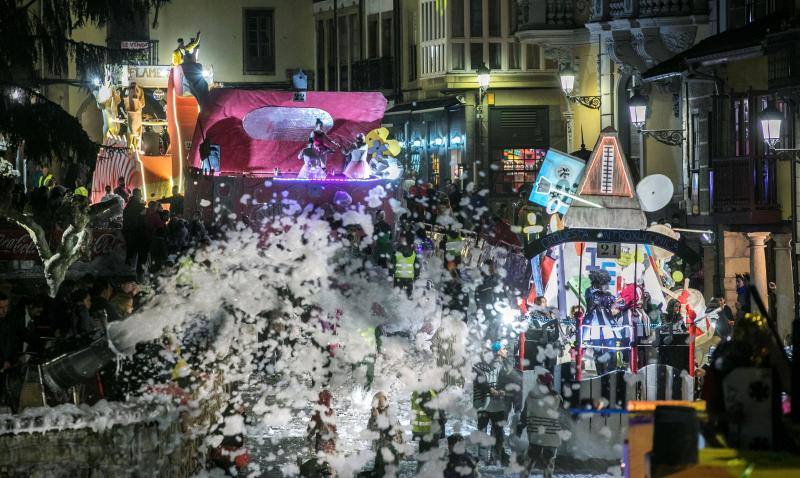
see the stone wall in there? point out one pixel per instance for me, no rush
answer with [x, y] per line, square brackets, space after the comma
[736, 261]
[162, 435]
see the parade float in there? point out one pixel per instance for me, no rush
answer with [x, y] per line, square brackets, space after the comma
[256, 151]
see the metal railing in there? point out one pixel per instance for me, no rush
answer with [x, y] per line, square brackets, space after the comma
[546, 14]
[744, 183]
[614, 9]
[373, 75]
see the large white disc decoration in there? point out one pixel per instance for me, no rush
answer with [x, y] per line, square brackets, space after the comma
[655, 192]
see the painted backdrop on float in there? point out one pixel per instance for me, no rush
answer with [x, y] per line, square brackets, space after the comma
[259, 131]
[622, 271]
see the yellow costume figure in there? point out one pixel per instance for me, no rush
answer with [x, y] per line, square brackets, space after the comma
[183, 50]
[134, 102]
[108, 100]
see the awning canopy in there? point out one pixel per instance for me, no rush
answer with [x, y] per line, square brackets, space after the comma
[425, 106]
[739, 43]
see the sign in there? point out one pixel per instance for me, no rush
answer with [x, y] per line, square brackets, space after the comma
[17, 245]
[608, 250]
[152, 76]
[559, 173]
[538, 246]
[134, 45]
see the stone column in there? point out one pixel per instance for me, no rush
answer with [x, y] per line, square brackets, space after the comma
[709, 270]
[758, 266]
[784, 293]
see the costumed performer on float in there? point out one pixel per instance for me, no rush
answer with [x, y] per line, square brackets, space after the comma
[358, 168]
[322, 143]
[632, 317]
[180, 52]
[134, 103]
[599, 331]
[313, 167]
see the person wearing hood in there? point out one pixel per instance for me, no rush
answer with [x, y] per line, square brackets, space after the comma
[540, 416]
[460, 464]
[388, 436]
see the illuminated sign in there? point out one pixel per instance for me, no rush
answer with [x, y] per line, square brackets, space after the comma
[154, 76]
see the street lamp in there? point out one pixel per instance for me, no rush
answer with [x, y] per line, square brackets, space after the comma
[484, 78]
[771, 119]
[567, 76]
[637, 108]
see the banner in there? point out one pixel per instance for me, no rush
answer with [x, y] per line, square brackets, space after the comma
[559, 172]
[17, 245]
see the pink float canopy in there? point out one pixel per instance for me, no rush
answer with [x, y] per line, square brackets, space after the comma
[258, 131]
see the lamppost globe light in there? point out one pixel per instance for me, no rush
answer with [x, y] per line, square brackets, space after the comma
[484, 76]
[637, 107]
[771, 119]
[567, 77]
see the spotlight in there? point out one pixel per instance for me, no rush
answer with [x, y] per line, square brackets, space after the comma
[96, 81]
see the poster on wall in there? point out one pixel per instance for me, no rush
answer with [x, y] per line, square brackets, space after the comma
[560, 173]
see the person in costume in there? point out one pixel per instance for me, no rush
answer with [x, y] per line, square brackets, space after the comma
[179, 53]
[600, 333]
[134, 103]
[358, 167]
[312, 164]
[632, 316]
[322, 143]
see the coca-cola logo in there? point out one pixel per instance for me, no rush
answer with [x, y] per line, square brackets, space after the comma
[16, 244]
[106, 242]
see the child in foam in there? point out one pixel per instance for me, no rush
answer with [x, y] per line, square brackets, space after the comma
[358, 167]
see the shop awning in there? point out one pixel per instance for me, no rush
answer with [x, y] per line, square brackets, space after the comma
[424, 106]
[739, 43]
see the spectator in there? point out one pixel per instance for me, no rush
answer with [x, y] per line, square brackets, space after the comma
[175, 202]
[82, 323]
[383, 250]
[460, 464]
[10, 334]
[101, 305]
[155, 234]
[121, 190]
[491, 398]
[133, 229]
[541, 417]
[109, 196]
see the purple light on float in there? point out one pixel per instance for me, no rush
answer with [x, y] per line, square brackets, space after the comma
[327, 180]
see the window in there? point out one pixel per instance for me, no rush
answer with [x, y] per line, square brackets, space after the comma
[514, 55]
[513, 168]
[457, 56]
[476, 18]
[532, 60]
[495, 56]
[372, 36]
[457, 18]
[259, 41]
[355, 38]
[475, 55]
[513, 16]
[320, 55]
[386, 38]
[494, 18]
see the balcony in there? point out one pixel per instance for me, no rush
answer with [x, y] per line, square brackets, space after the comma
[603, 10]
[550, 15]
[744, 190]
[373, 75]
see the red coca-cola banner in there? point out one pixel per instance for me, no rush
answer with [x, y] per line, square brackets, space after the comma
[17, 245]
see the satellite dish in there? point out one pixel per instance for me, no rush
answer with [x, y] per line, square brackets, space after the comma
[655, 192]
